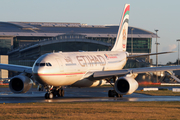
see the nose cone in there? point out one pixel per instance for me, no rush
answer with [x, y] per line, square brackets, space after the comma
[38, 74]
[41, 68]
[45, 68]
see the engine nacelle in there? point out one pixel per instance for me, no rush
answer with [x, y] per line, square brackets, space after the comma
[125, 85]
[20, 84]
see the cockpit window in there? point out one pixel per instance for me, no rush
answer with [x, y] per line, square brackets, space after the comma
[43, 64]
[48, 64]
[37, 64]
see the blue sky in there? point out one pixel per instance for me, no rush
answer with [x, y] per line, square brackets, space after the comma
[148, 15]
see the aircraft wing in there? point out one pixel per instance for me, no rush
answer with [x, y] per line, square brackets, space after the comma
[17, 68]
[133, 56]
[105, 74]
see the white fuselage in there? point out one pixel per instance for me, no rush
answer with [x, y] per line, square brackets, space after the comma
[72, 68]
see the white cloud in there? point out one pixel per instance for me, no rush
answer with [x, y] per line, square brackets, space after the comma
[170, 47]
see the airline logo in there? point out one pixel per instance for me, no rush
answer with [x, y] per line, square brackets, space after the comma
[124, 34]
[122, 31]
[91, 60]
[124, 37]
[124, 20]
[68, 59]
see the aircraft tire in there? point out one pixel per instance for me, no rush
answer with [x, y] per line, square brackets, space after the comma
[50, 95]
[118, 95]
[111, 93]
[62, 93]
[46, 96]
[55, 93]
[59, 93]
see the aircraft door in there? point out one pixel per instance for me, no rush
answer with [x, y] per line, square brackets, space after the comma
[61, 68]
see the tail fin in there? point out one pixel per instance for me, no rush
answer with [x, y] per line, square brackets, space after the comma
[121, 39]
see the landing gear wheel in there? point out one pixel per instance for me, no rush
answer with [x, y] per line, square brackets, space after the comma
[119, 95]
[59, 93]
[62, 93]
[46, 96]
[51, 95]
[54, 92]
[111, 93]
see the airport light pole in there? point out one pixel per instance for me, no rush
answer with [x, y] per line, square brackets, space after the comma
[156, 49]
[156, 55]
[132, 40]
[178, 50]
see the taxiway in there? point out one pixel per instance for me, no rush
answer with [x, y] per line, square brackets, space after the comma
[78, 95]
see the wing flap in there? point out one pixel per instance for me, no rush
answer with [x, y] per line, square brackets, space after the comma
[110, 73]
[105, 74]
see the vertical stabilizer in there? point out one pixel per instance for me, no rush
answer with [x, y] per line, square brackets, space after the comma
[121, 39]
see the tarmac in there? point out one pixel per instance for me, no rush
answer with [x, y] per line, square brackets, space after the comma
[78, 95]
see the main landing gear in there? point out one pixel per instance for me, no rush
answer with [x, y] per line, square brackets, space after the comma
[54, 92]
[113, 93]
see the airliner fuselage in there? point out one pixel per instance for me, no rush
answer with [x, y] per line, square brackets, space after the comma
[72, 68]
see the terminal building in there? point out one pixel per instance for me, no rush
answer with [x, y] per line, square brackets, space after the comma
[24, 42]
[21, 43]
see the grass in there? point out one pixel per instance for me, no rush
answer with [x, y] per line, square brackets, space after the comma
[4, 86]
[91, 110]
[159, 93]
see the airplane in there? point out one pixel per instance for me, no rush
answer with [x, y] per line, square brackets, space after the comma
[84, 69]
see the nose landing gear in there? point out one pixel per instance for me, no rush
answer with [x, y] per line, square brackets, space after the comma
[54, 92]
[48, 95]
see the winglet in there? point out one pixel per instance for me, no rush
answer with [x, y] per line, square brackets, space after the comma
[121, 39]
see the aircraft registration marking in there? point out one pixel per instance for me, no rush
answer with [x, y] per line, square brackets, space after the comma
[70, 64]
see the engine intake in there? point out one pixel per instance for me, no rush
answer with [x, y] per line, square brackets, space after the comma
[125, 85]
[20, 84]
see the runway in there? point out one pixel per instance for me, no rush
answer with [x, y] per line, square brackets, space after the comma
[78, 95]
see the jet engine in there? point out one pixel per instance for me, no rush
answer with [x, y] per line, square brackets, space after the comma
[20, 84]
[125, 85]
